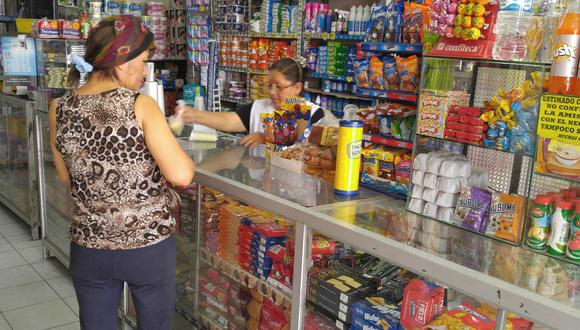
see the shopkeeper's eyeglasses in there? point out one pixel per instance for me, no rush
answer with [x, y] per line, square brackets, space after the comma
[278, 88]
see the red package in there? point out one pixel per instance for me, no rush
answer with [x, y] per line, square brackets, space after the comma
[452, 117]
[454, 109]
[272, 317]
[322, 245]
[47, 28]
[448, 133]
[70, 29]
[474, 137]
[276, 253]
[422, 302]
[471, 120]
[469, 111]
[466, 127]
[271, 230]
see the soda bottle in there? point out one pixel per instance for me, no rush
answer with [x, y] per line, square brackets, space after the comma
[565, 52]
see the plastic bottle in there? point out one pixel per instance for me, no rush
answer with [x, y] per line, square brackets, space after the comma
[573, 250]
[541, 217]
[565, 52]
[560, 227]
[351, 18]
[358, 20]
[511, 28]
[307, 16]
[313, 18]
[366, 19]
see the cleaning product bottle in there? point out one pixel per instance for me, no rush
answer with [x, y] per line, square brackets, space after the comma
[560, 227]
[573, 250]
[565, 51]
[351, 18]
[358, 20]
[366, 19]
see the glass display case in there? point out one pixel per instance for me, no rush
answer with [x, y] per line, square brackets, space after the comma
[476, 133]
[470, 266]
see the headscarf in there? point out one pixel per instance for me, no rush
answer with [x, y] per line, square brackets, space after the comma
[132, 38]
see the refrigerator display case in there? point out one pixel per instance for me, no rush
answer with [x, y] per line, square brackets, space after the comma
[53, 64]
[18, 179]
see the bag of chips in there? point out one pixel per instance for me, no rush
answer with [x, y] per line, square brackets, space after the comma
[376, 73]
[408, 69]
[391, 75]
[361, 72]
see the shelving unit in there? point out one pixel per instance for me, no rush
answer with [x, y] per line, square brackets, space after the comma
[386, 94]
[342, 95]
[386, 141]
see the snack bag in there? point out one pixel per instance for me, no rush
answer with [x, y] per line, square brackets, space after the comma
[422, 302]
[371, 161]
[505, 216]
[361, 73]
[416, 18]
[394, 25]
[403, 167]
[409, 73]
[284, 127]
[376, 28]
[268, 126]
[376, 73]
[463, 316]
[472, 208]
[391, 75]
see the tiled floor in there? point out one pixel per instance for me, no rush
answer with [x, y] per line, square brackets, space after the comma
[36, 294]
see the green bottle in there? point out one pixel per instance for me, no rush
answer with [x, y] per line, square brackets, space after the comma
[560, 227]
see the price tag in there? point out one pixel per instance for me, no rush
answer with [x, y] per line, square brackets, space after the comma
[324, 36]
[349, 79]
[333, 35]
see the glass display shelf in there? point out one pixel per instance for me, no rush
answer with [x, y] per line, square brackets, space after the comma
[492, 60]
[238, 165]
[331, 77]
[531, 285]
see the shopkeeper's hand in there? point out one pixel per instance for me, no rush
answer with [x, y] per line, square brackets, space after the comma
[252, 140]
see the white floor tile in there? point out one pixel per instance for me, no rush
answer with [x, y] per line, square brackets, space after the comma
[18, 275]
[63, 286]
[11, 259]
[25, 295]
[72, 303]
[71, 326]
[3, 324]
[32, 254]
[41, 316]
[50, 268]
[5, 245]
[12, 229]
[23, 241]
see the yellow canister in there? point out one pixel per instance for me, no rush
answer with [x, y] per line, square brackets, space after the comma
[348, 157]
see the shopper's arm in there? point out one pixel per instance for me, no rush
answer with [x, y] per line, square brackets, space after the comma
[176, 166]
[222, 121]
[59, 164]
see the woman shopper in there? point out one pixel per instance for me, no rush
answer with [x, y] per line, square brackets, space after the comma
[286, 80]
[114, 148]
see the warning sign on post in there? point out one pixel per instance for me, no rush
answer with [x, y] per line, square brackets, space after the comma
[559, 118]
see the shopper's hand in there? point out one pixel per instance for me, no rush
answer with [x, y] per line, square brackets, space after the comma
[187, 114]
[252, 140]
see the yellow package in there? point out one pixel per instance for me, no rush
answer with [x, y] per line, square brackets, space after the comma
[371, 161]
[387, 164]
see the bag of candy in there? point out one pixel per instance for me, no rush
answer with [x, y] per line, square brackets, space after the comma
[376, 28]
[391, 75]
[408, 72]
[268, 126]
[376, 73]
[393, 27]
[361, 72]
[416, 17]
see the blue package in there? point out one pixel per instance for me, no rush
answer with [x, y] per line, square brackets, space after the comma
[391, 74]
[378, 312]
[376, 27]
[394, 22]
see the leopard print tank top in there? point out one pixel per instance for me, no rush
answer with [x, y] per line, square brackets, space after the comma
[120, 197]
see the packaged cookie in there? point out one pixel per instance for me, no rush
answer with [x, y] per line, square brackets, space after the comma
[376, 73]
[472, 208]
[505, 216]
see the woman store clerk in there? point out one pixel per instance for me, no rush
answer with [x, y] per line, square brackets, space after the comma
[286, 80]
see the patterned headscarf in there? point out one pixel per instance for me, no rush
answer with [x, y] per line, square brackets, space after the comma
[132, 38]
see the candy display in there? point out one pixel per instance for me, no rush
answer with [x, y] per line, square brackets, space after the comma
[264, 52]
[463, 124]
[389, 73]
[198, 33]
[464, 20]
[234, 51]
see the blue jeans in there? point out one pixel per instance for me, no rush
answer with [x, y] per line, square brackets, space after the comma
[98, 277]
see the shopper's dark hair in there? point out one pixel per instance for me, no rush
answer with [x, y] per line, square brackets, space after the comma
[100, 37]
[293, 69]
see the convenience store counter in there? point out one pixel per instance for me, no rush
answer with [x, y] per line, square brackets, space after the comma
[520, 281]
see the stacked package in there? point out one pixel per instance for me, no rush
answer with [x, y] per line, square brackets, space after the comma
[266, 14]
[198, 31]
[273, 317]
[158, 25]
[178, 34]
[212, 202]
[230, 219]
[259, 87]
[375, 313]
[438, 178]
[234, 51]
[465, 125]
[422, 302]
